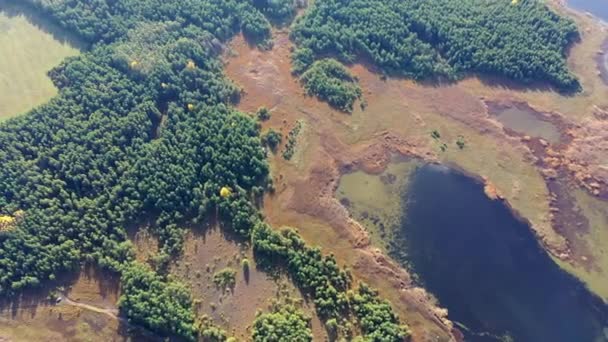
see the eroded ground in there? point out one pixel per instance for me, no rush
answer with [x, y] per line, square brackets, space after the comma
[399, 118]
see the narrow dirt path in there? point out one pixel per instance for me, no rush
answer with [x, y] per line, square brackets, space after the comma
[112, 313]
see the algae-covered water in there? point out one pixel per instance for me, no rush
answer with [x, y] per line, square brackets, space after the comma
[481, 262]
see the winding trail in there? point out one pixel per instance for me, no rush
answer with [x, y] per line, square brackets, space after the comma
[112, 313]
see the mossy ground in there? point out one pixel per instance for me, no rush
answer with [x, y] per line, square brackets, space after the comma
[375, 201]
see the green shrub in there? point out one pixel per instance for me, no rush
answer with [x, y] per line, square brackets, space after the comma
[225, 278]
[329, 80]
[272, 139]
[285, 323]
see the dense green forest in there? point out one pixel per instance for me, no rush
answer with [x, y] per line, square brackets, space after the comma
[143, 132]
[445, 39]
[320, 278]
[149, 293]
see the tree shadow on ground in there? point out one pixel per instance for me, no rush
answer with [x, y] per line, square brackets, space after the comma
[12, 8]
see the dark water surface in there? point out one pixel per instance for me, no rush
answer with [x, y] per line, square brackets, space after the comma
[598, 8]
[486, 267]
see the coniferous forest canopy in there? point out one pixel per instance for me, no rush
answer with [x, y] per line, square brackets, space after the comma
[143, 130]
[520, 40]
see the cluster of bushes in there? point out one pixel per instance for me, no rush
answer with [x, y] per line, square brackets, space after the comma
[284, 323]
[292, 141]
[225, 278]
[329, 80]
[311, 271]
[320, 277]
[522, 40]
[272, 139]
[376, 317]
[160, 305]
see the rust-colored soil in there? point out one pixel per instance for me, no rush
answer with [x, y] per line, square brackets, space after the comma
[304, 197]
[398, 120]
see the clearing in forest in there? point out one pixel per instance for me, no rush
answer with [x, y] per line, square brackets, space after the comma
[30, 47]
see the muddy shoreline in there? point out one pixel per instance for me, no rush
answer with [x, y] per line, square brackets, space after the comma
[602, 61]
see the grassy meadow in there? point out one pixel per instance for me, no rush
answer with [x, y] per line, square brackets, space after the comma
[30, 47]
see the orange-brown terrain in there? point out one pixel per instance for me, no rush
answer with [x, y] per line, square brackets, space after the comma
[209, 250]
[85, 308]
[528, 173]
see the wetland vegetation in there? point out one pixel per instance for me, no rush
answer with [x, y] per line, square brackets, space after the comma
[483, 263]
[143, 127]
[525, 121]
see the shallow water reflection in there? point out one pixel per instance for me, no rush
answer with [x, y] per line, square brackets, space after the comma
[487, 268]
[525, 121]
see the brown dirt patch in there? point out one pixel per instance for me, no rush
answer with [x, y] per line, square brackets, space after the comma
[305, 190]
[32, 317]
[209, 250]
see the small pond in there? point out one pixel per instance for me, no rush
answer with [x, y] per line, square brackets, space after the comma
[527, 122]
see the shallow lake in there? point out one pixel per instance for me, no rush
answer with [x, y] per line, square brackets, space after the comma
[487, 268]
[598, 8]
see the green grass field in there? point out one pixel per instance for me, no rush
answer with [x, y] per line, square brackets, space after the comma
[29, 47]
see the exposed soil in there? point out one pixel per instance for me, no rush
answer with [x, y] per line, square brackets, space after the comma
[306, 188]
[89, 312]
[209, 250]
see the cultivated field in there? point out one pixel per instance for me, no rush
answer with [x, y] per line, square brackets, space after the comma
[30, 46]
